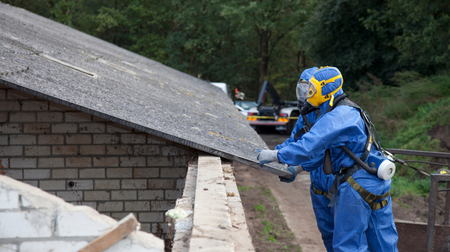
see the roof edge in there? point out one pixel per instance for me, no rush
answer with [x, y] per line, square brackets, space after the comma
[271, 168]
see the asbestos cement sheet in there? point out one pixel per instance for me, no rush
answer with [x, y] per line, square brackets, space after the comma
[55, 62]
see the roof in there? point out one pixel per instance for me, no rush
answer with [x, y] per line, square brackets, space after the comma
[55, 62]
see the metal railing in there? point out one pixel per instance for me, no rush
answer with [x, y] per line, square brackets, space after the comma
[436, 179]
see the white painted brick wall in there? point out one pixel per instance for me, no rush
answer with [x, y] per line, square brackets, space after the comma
[54, 246]
[9, 200]
[36, 174]
[107, 184]
[23, 163]
[34, 221]
[3, 138]
[22, 139]
[87, 160]
[79, 223]
[52, 185]
[81, 184]
[25, 224]
[124, 195]
[50, 162]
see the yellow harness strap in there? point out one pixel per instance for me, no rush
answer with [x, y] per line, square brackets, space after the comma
[317, 191]
[369, 197]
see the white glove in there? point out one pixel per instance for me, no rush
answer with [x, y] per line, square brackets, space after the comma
[268, 156]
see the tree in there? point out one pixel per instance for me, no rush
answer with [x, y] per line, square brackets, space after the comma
[236, 40]
[336, 35]
[202, 44]
[422, 36]
[141, 26]
[271, 30]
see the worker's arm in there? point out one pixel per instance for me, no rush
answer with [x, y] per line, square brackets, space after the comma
[342, 126]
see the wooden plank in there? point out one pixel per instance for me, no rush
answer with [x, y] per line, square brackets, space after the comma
[124, 228]
[412, 237]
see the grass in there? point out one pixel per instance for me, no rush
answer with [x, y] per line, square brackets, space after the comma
[244, 188]
[261, 209]
[272, 232]
[268, 193]
[268, 230]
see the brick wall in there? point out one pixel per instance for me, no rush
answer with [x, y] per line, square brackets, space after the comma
[87, 160]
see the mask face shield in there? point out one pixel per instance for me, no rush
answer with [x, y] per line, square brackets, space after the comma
[305, 90]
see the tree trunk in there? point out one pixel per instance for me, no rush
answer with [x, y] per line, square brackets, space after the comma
[301, 60]
[264, 56]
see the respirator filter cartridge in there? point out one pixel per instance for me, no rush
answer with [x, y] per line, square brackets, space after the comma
[385, 167]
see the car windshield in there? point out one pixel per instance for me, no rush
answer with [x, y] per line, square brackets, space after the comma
[246, 104]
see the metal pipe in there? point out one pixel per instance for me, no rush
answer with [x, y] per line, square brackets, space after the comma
[371, 170]
[420, 153]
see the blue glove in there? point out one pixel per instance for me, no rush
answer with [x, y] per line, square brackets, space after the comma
[291, 169]
[267, 156]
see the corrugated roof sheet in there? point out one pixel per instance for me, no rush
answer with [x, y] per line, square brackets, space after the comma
[58, 63]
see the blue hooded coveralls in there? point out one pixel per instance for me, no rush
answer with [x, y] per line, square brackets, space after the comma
[321, 181]
[356, 226]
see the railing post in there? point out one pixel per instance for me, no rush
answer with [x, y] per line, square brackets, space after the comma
[432, 212]
[447, 201]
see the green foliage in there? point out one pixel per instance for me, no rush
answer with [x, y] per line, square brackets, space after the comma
[243, 43]
[141, 26]
[336, 36]
[268, 230]
[404, 115]
[413, 134]
[402, 185]
[391, 106]
[261, 209]
[239, 42]
[244, 188]
[423, 39]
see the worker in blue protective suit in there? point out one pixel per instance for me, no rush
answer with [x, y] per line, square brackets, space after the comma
[320, 182]
[363, 219]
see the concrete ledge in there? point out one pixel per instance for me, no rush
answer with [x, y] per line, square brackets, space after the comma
[218, 220]
[240, 234]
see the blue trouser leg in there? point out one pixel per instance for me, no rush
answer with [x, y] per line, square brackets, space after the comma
[324, 217]
[357, 227]
[351, 218]
[382, 233]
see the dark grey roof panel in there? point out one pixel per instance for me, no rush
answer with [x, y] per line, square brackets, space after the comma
[58, 63]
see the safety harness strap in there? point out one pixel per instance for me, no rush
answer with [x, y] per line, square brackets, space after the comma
[317, 191]
[369, 197]
[305, 128]
[334, 192]
[301, 132]
[367, 123]
[345, 175]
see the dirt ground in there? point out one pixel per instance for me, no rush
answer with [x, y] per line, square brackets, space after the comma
[280, 215]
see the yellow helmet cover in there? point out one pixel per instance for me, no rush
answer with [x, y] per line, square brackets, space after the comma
[326, 81]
